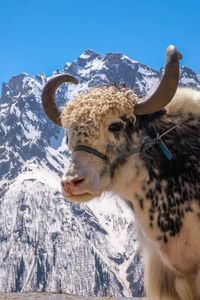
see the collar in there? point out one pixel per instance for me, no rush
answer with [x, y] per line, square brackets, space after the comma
[92, 151]
[148, 137]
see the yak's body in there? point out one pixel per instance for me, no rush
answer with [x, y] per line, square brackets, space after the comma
[166, 200]
[114, 141]
[165, 194]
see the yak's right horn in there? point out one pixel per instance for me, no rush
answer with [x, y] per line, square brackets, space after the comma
[48, 96]
[167, 87]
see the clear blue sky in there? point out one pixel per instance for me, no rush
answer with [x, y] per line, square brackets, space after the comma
[41, 35]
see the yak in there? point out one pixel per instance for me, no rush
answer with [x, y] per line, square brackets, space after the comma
[146, 150]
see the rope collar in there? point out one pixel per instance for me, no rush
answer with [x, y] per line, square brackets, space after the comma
[154, 138]
[92, 151]
[149, 137]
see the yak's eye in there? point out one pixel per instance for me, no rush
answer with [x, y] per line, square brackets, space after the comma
[116, 127]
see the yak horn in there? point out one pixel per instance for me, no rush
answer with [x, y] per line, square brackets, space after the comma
[167, 87]
[48, 96]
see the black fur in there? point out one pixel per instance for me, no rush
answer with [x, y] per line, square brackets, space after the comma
[176, 183]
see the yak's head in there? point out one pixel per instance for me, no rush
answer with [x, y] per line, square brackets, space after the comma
[101, 128]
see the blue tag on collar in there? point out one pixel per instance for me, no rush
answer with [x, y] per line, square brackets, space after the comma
[148, 142]
[164, 149]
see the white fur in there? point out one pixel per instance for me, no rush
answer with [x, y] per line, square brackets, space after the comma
[186, 101]
[172, 269]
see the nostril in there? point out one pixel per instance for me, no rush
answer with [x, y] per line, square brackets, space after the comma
[78, 181]
[65, 183]
[70, 186]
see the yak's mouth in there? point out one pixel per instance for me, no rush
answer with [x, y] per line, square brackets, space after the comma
[84, 197]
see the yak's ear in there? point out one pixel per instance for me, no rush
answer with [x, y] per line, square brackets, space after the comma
[48, 96]
[167, 87]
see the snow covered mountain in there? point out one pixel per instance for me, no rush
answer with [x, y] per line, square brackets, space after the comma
[47, 243]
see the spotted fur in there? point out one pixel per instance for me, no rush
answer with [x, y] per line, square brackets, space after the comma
[176, 183]
[164, 194]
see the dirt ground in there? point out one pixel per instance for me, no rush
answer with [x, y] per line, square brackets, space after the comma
[46, 296]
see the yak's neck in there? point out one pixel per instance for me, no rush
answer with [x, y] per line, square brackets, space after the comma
[183, 145]
[162, 191]
[151, 166]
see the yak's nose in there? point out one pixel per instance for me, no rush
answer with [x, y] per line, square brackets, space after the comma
[70, 186]
[80, 178]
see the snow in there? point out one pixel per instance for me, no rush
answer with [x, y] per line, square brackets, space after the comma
[5, 128]
[106, 208]
[33, 186]
[151, 85]
[17, 112]
[56, 159]
[186, 81]
[56, 142]
[84, 56]
[31, 133]
[100, 76]
[95, 65]
[68, 64]
[73, 91]
[63, 146]
[27, 80]
[40, 173]
[149, 82]
[125, 57]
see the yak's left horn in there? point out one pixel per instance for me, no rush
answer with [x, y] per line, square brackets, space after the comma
[48, 96]
[167, 87]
